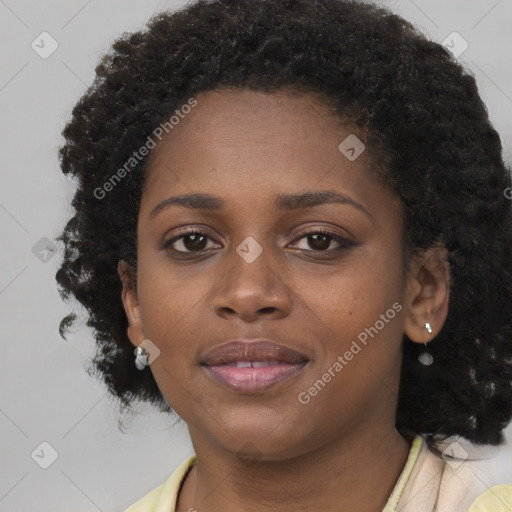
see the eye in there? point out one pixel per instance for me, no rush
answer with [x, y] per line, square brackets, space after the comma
[190, 241]
[320, 240]
[196, 241]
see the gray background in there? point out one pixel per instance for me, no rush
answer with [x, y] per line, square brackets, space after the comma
[45, 394]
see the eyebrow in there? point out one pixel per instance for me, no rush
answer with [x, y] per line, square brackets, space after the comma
[287, 202]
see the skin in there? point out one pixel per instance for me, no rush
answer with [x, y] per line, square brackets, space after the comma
[268, 451]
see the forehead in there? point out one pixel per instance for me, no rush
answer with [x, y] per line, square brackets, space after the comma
[249, 150]
[257, 110]
[250, 135]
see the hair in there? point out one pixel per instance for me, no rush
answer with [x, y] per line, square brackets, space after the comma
[424, 123]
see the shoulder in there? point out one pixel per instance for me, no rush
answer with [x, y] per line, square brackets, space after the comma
[474, 484]
[458, 481]
[496, 499]
[164, 497]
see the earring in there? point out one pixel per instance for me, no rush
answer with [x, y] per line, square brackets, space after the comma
[141, 358]
[425, 358]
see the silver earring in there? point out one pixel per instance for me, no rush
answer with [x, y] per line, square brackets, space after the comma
[425, 358]
[141, 358]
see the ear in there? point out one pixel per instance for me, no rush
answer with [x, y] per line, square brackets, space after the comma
[427, 294]
[130, 302]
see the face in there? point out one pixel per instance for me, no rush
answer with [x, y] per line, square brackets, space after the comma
[319, 274]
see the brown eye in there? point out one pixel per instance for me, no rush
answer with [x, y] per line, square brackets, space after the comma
[321, 241]
[193, 241]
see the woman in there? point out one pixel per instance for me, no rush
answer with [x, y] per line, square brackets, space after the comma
[291, 229]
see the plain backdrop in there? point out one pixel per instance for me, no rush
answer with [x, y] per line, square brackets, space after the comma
[45, 394]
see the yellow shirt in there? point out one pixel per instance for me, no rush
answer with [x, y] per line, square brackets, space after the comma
[427, 483]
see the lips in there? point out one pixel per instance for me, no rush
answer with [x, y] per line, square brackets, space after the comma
[252, 350]
[253, 365]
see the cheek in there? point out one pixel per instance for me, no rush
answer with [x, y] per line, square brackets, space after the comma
[169, 308]
[357, 293]
[359, 339]
[169, 312]
[357, 313]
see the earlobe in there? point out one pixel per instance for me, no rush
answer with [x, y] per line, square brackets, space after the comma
[427, 295]
[130, 302]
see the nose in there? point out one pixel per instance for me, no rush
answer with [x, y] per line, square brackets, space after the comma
[251, 291]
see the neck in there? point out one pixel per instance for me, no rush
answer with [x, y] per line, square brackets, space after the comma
[345, 475]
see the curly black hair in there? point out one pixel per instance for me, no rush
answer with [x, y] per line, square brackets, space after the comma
[425, 125]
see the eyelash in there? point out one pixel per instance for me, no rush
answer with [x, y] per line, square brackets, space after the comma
[344, 243]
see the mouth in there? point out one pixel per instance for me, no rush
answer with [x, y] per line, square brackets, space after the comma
[252, 366]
